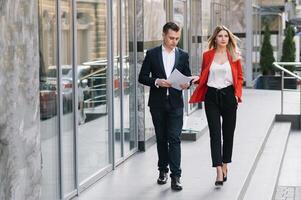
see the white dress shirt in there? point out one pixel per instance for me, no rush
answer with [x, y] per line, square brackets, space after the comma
[168, 60]
[220, 75]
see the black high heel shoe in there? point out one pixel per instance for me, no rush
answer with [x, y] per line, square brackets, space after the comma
[225, 176]
[219, 184]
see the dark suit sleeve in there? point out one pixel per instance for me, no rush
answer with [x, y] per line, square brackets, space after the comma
[144, 75]
[186, 71]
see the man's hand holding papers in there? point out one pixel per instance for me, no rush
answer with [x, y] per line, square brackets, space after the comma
[178, 80]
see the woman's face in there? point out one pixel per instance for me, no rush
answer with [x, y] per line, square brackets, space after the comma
[222, 39]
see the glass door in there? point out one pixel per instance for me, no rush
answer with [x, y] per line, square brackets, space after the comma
[93, 130]
[128, 77]
[125, 140]
[48, 100]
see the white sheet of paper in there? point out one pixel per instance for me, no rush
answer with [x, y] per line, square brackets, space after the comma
[176, 78]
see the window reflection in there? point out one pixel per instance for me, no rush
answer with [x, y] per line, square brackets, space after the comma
[93, 138]
[129, 95]
[48, 101]
[67, 97]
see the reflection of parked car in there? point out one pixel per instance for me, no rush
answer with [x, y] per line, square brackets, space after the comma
[47, 100]
[91, 90]
[89, 76]
[66, 82]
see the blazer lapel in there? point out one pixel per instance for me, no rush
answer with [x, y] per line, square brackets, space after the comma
[161, 61]
[177, 56]
[208, 61]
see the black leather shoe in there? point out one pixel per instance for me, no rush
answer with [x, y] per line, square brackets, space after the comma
[162, 178]
[176, 184]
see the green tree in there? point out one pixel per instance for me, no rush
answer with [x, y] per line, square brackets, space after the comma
[266, 54]
[288, 48]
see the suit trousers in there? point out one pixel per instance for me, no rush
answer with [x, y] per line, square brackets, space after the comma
[168, 122]
[221, 104]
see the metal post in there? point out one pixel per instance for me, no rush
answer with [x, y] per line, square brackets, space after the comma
[300, 103]
[282, 87]
[75, 93]
[249, 42]
[135, 71]
[59, 97]
[300, 109]
[109, 81]
[120, 12]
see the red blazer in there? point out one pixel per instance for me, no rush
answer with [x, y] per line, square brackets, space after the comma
[199, 93]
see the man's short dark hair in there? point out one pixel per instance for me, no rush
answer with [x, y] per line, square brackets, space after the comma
[170, 25]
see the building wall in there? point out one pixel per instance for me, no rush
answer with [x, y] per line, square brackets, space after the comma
[19, 73]
[20, 153]
[237, 19]
[272, 3]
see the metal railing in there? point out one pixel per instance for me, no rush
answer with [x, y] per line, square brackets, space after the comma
[97, 91]
[284, 71]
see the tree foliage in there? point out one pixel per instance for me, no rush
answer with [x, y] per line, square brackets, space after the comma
[289, 48]
[266, 53]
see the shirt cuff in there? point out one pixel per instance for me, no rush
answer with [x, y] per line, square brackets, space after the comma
[156, 84]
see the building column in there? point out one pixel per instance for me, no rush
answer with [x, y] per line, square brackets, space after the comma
[140, 87]
[20, 150]
[249, 43]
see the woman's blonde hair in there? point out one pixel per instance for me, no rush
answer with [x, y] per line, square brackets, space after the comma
[232, 44]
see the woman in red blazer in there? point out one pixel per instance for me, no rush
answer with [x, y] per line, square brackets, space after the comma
[220, 86]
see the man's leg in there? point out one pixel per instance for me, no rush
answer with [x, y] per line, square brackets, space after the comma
[174, 129]
[159, 121]
[175, 123]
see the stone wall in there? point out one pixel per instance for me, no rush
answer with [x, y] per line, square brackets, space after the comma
[20, 153]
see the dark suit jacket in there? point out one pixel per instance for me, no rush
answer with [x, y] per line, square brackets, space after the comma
[153, 68]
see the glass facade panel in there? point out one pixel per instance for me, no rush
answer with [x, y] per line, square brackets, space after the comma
[67, 94]
[154, 20]
[180, 17]
[206, 19]
[117, 89]
[93, 140]
[195, 53]
[128, 59]
[48, 100]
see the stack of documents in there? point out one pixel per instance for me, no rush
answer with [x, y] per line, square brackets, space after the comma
[177, 78]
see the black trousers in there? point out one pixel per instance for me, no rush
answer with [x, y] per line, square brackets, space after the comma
[221, 103]
[168, 122]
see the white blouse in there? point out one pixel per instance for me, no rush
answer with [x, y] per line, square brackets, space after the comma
[220, 75]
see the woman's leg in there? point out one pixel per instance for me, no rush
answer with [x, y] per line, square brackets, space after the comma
[213, 118]
[228, 126]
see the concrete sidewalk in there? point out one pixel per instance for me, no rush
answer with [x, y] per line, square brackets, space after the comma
[136, 178]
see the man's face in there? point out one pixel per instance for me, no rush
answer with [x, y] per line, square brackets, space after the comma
[171, 39]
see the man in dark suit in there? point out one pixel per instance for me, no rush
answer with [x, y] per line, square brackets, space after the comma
[165, 102]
